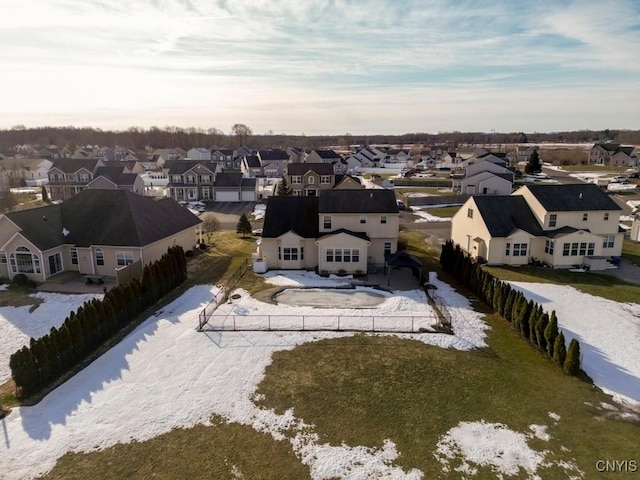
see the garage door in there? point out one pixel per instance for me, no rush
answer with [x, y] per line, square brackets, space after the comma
[249, 196]
[227, 196]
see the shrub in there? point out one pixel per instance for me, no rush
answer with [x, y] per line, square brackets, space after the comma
[572, 362]
[21, 280]
[188, 253]
[559, 350]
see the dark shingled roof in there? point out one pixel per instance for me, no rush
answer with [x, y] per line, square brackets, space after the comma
[178, 167]
[358, 201]
[327, 154]
[302, 168]
[72, 165]
[361, 235]
[297, 214]
[503, 214]
[572, 198]
[116, 175]
[559, 232]
[104, 217]
[270, 155]
[228, 179]
[252, 161]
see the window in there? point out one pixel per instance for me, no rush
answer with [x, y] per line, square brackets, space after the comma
[520, 249]
[470, 212]
[565, 249]
[99, 256]
[325, 179]
[312, 180]
[290, 253]
[591, 248]
[296, 179]
[301, 253]
[574, 249]
[3, 257]
[297, 193]
[191, 179]
[583, 248]
[606, 216]
[553, 220]
[387, 248]
[507, 249]
[326, 222]
[548, 246]
[608, 241]
[350, 255]
[383, 219]
[363, 219]
[84, 178]
[24, 262]
[585, 216]
[205, 178]
[124, 258]
[72, 177]
[74, 256]
[176, 178]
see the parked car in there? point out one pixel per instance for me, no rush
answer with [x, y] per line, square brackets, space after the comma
[401, 205]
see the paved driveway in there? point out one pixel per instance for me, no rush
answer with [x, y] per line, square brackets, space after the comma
[228, 213]
[626, 271]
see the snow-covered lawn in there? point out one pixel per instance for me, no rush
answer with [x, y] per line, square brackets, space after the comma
[17, 325]
[185, 377]
[258, 211]
[608, 331]
[429, 217]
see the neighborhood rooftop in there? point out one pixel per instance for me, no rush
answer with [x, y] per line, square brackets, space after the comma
[574, 197]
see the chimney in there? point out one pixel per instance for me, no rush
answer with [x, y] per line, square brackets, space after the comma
[580, 195]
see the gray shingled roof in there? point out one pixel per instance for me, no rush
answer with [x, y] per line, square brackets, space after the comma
[358, 201]
[252, 161]
[104, 217]
[327, 154]
[178, 167]
[302, 168]
[270, 155]
[503, 214]
[72, 165]
[297, 214]
[579, 197]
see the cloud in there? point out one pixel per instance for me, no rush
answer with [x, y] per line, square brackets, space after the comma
[96, 58]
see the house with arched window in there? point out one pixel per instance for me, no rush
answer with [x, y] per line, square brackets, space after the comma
[95, 232]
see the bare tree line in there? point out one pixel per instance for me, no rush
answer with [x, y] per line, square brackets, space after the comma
[186, 138]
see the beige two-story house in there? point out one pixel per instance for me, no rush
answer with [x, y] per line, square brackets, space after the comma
[340, 231]
[308, 179]
[70, 176]
[559, 225]
[95, 232]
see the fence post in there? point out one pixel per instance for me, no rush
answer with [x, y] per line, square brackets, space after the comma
[234, 323]
[269, 320]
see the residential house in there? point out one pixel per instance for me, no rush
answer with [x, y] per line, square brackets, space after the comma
[234, 187]
[250, 166]
[341, 231]
[117, 178]
[95, 232]
[295, 154]
[224, 156]
[487, 175]
[273, 162]
[199, 153]
[613, 154]
[322, 156]
[69, 176]
[34, 172]
[558, 225]
[190, 180]
[396, 156]
[347, 182]
[308, 179]
[524, 152]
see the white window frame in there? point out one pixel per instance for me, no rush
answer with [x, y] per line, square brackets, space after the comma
[124, 258]
[99, 256]
[608, 241]
[553, 220]
[383, 219]
[325, 179]
[326, 222]
[73, 252]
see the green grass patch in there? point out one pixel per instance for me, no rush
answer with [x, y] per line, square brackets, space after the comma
[598, 284]
[364, 389]
[592, 168]
[631, 251]
[435, 191]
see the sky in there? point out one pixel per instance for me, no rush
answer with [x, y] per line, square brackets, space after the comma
[322, 66]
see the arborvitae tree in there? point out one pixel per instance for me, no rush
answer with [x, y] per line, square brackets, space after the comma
[536, 315]
[54, 351]
[78, 342]
[110, 316]
[551, 332]
[519, 307]
[42, 358]
[533, 165]
[24, 372]
[541, 326]
[572, 362]
[67, 358]
[243, 226]
[559, 350]
[508, 306]
[284, 189]
[525, 316]
[496, 301]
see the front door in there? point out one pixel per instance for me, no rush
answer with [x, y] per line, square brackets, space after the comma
[55, 263]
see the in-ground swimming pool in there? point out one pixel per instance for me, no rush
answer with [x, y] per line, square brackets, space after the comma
[330, 297]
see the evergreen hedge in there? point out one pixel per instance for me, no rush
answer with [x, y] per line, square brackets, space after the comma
[527, 317]
[48, 358]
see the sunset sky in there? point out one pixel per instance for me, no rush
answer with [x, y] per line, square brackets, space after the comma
[322, 66]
